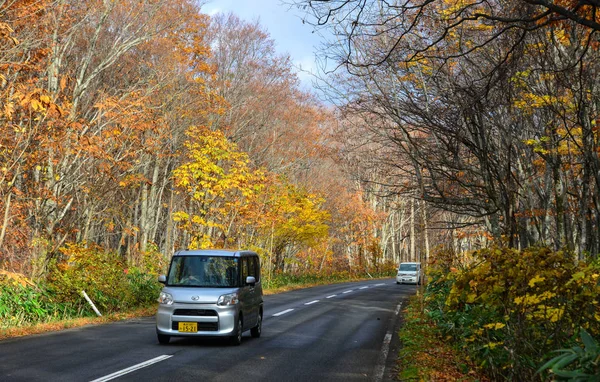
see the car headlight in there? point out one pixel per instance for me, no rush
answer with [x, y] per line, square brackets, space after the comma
[228, 299]
[165, 298]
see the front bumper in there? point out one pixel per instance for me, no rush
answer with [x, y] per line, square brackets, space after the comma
[212, 320]
[406, 279]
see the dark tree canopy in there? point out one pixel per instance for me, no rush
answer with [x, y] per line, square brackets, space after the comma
[420, 28]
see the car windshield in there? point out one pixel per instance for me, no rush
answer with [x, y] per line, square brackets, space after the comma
[204, 271]
[408, 267]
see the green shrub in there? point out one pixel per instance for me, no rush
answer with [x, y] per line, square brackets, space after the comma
[509, 308]
[142, 288]
[102, 275]
[29, 304]
[576, 363]
[152, 261]
[89, 268]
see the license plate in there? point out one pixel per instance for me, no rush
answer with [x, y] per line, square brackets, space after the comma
[188, 327]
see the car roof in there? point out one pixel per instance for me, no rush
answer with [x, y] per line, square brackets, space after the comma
[215, 252]
[410, 263]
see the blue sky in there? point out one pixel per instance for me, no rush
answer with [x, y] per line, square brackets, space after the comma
[283, 24]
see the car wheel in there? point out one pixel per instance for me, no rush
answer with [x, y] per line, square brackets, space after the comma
[255, 331]
[236, 339]
[163, 338]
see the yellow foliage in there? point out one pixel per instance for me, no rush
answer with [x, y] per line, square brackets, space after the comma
[560, 35]
[535, 101]
[536, 279]
[510, 301]
[493, 345]
[549, 313]
[495, 326]
[14, 278]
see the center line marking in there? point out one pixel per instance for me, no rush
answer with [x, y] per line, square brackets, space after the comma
[312, 302]
[132, 368]
[348, 291]
[282, 312]
[332, 296]
[379, 284]
[364, 287]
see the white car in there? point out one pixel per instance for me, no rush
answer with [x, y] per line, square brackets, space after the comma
[409, 273]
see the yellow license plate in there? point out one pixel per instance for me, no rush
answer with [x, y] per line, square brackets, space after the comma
[188, 327]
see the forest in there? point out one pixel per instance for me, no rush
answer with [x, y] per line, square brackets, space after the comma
[150, 127]
[462, 134]
[487, 113]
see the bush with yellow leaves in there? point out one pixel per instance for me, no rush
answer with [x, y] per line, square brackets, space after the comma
[112, 283]
[510, 307]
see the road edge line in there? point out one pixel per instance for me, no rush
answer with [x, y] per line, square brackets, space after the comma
[385, 347]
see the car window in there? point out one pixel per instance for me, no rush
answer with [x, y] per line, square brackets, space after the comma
[245, 269]
[203, 271]
[408, 267]
[253, 267]
[256, 268]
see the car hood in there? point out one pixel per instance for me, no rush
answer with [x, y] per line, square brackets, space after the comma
[197, 295]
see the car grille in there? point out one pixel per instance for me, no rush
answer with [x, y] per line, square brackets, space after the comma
[202, 326]
[195, 312]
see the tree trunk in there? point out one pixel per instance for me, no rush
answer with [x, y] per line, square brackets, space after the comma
[425, 233]
[412, 255]
[5, 219]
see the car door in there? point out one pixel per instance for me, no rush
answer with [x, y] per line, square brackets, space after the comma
[247, 295]
[254, 271]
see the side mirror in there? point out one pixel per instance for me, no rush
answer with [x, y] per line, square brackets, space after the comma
[250, 280]
[162, 279]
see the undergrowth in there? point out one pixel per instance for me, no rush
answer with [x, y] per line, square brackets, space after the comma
[426, 355]
[511, 310]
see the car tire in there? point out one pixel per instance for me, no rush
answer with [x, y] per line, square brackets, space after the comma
[236, 339]
[163, 339]
[255, 331]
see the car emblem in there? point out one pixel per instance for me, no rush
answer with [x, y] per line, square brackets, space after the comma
[195, 298]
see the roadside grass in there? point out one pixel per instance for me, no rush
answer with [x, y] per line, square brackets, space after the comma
[61, 324]
[425, 355]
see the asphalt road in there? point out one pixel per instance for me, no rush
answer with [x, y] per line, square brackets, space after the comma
[339, 332]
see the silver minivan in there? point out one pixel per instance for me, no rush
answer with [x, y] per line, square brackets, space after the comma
[211, 293]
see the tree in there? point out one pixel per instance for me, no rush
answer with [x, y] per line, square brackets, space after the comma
[464, 99]
[421, 28]
[217, 181]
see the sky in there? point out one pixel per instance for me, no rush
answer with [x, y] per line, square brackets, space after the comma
[284, 25]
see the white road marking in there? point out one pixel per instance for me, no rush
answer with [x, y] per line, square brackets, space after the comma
[312, 302]
[132, 368]
[365, 287]
[385, 348]
[332, 296]
[282, 312]
[348, 291]
[378, 284]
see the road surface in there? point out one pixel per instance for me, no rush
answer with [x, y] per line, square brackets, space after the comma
[338, 332]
